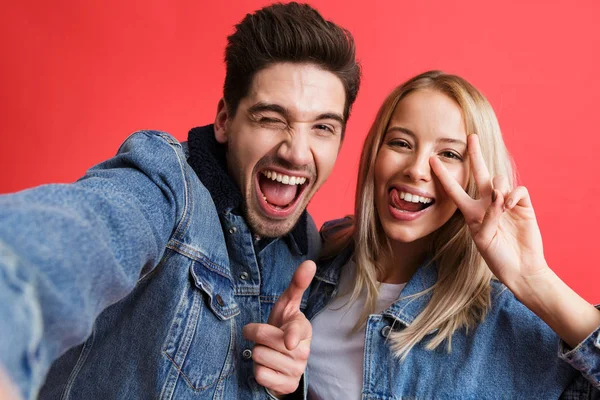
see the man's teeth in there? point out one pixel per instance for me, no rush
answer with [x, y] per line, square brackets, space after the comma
[413, 198]
[285, 179]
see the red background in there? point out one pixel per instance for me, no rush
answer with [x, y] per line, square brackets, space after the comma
[77, 77]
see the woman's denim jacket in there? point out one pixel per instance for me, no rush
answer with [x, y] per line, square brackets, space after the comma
[512, 354]
[164, 260]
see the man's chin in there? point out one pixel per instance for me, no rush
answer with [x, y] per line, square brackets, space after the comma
[271, 228]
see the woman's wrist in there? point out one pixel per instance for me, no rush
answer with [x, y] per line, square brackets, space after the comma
[535, 290]
[551, 299]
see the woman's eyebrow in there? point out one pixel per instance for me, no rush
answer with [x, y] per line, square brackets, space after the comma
[413, 135]
[452, 141]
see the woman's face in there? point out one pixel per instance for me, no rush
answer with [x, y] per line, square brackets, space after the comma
[409, 198]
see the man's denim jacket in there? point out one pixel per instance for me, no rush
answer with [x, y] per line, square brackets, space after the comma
[139, 278]
[512, 354]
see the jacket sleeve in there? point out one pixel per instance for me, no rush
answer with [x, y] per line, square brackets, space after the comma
[585, 358]
[69, 251]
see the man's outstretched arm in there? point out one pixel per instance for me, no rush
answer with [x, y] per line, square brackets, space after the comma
[69, 251]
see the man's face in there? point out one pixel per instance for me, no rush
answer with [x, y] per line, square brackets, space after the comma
[282, 142]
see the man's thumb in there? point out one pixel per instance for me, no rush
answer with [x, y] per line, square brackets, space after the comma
[290, 299]
[300, 282]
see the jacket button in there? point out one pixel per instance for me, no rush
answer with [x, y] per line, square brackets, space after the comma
[232, 230]
[247, 354]
[220, 300]
[244, 276]
[385, 332]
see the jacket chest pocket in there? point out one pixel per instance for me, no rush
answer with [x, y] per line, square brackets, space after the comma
[202, 334]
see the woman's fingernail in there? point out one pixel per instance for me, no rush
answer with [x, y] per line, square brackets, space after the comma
[494, 196]
[509, 203]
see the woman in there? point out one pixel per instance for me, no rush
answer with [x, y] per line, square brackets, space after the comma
[411, 300]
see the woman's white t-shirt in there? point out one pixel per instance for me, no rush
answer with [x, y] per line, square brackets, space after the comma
[335, 365]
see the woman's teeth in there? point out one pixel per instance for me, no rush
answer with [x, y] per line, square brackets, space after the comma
[285, 179]
[413, 198]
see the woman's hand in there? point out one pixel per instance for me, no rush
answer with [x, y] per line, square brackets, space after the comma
[505, 230]
[502, 221]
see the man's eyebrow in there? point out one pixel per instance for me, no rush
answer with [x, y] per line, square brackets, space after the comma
[333, 116]
[262, 107]
[411, 133]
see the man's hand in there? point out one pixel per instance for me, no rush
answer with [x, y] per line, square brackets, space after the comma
[283, 345]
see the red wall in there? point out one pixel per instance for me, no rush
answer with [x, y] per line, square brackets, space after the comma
[77, 77]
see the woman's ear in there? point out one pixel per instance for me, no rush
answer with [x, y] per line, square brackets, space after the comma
[221, 122]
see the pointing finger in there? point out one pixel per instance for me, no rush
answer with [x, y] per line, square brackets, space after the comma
[295, 331]
[266, 335]
[274, 338]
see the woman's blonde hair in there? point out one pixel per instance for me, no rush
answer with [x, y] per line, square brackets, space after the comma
[461, 296]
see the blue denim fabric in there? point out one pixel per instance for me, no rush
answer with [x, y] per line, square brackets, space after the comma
[512, 354]
[134, 283]
[586, 358]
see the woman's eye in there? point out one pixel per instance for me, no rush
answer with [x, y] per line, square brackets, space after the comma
[399, 143]
[452, 155]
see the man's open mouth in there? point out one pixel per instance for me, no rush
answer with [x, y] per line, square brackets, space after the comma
[407, 202]
[280, 192]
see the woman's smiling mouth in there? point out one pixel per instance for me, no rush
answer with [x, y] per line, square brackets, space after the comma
[403, 201]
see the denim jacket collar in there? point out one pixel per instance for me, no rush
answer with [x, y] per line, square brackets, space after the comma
[408, 307]
[207, 159]
[330, 268]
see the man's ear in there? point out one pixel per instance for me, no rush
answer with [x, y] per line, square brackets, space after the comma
[221, 122]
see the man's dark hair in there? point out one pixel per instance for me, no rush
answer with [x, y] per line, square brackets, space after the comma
[288, 33]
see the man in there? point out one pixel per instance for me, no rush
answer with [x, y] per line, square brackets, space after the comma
[154, 276]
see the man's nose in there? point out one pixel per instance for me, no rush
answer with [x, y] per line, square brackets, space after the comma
[295, 148]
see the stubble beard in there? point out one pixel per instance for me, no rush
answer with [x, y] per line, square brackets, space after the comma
[266, 227]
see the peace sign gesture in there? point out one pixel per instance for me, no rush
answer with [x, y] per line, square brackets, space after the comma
[502, 221]
[504, 228]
